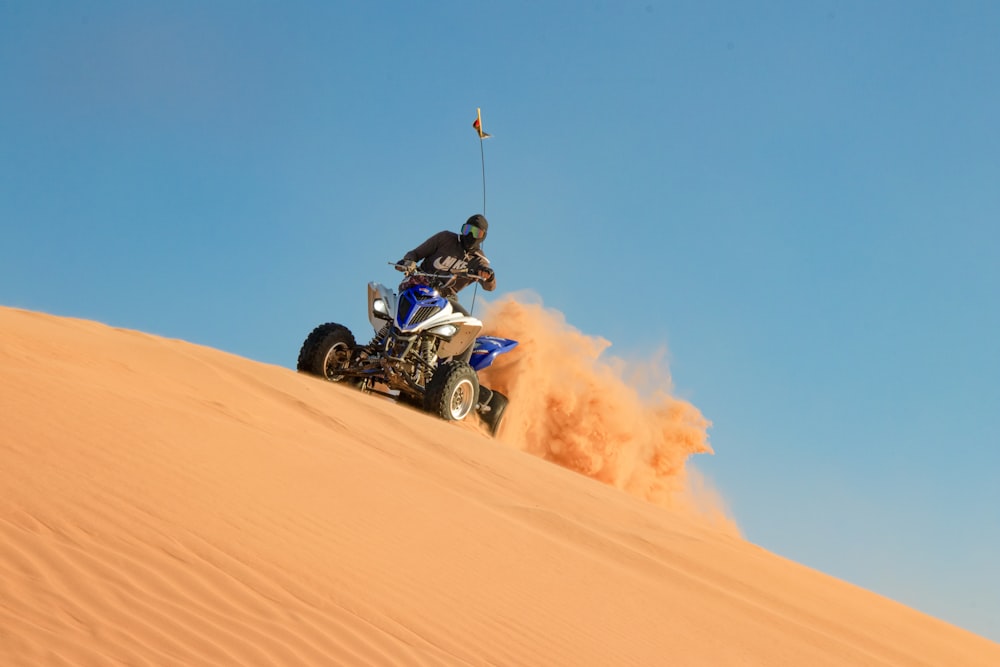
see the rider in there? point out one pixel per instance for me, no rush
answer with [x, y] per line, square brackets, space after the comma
[447, 252]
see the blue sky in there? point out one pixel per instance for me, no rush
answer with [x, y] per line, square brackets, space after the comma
[799, 201]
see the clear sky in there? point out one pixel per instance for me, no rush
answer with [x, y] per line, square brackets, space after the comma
[800, 201]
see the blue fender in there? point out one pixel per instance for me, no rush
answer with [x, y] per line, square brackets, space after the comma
[486, 350]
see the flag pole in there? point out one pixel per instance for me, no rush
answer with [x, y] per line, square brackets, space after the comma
[482, 153]
[478, 125]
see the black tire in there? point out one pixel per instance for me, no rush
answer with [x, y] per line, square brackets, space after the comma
[494, 416]
[326, 350]
[451, 394]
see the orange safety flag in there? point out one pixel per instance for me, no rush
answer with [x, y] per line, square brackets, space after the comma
[478, 125]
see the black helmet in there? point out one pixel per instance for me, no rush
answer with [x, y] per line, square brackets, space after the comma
[474, 231]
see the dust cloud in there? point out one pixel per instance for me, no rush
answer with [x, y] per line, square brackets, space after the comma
[598, 415]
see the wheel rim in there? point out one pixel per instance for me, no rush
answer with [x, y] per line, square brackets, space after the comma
[337, 358]
[461, 399]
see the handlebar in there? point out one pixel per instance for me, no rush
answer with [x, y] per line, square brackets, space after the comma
[441, 279]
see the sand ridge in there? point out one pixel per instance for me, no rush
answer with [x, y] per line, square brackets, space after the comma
[164, 503]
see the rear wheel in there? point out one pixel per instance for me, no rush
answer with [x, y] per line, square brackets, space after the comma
[493, 417]
[451, 393]
[326, 351]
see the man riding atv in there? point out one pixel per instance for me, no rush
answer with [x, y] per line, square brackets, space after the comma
[426, 350]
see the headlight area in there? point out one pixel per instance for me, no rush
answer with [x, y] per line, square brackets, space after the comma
[380, 309]
[445, 331]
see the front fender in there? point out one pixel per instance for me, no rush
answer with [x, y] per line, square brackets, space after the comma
[486, 350]
[379, 291]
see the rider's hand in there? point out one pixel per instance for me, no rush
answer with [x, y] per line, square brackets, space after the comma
[480, 270]
[406, 265]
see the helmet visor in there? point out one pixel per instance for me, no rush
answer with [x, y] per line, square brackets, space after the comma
[469, 229]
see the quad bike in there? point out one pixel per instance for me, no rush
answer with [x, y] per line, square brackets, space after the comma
[425, 351]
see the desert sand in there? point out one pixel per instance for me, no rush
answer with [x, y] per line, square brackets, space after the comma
[164, 503]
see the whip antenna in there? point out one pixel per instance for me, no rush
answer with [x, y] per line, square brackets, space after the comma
[482, 158]
[477, 125]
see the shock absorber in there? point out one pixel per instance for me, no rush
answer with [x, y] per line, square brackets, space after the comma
[428, 352]
[375, 345]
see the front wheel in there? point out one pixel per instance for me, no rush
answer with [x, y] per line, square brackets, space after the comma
[451, 393]
[326, 351]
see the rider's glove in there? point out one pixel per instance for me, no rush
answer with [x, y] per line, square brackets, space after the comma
[480, 269]
[485, 273]
[406, 265]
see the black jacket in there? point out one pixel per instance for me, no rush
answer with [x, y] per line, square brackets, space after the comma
[443, 253]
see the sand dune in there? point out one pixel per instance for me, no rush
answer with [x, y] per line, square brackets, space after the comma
[163, 503]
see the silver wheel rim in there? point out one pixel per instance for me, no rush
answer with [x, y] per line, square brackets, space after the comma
[461, 399]
[335, 359]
